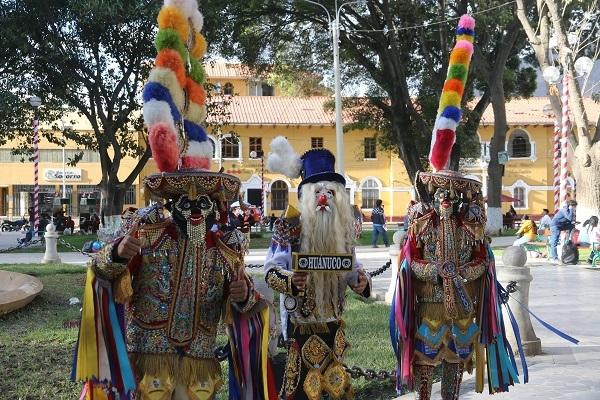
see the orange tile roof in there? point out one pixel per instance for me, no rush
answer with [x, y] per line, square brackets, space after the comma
[278, 110]
[228, 70]
[531, 112]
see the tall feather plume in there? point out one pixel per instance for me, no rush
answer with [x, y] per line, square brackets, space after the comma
[449, 113]
[283, 159]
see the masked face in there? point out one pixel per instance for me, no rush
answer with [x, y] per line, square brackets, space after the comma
[324, 197]
[442, 203]
[194, 216]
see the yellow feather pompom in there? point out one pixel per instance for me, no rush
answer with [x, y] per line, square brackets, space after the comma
[199, 49]
[449, 98]
[468, 38]
[170, 17]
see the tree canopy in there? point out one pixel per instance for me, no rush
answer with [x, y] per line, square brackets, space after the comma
[396, 51]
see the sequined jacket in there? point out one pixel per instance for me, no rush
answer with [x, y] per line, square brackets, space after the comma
[278, 275]
[450, 259]
[177, 302]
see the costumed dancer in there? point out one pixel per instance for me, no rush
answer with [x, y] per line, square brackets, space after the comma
[154, 298]
[447, 306]
[312, 303]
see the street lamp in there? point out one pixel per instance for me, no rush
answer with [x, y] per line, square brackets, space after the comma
[36, 102]
[261, 154]
[335, 31]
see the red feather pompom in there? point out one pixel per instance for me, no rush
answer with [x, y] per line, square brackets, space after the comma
[195, 163]
[441, 149]
[165, 150]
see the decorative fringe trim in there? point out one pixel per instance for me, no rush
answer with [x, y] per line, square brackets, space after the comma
[183, 370]
[312, 329]
[122, 288]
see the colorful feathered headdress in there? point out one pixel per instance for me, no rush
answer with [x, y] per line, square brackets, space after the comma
[175, 106]
[449, 114]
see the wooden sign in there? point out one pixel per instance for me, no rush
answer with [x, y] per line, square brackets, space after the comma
[307, 262]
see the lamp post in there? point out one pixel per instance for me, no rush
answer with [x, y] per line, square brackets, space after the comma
[36, 102]
[334, 26]
[261, 154]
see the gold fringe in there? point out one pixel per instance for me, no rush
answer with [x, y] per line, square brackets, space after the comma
[122, 288]
[183, 370]
[312, 329]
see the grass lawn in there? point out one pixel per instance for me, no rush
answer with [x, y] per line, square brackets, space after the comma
[74, 240]
[36, 342]
[262, 240]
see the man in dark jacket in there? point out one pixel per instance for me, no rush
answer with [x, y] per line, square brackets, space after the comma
[378, 224]
[564, 220]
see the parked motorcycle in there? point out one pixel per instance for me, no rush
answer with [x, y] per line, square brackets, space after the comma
[13, 226]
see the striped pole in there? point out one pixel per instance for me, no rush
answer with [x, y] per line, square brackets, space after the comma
[556, 165]
[36, 186]
[564, 163]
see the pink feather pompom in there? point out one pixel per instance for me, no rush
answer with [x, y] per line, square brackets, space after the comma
[466, 21]
[464, 45]
[163, 143]
[195, 163]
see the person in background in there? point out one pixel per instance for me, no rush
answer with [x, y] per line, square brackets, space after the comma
[272, 220]
[94, 223]
[594, 235]
[546, 219]
[378, 220]
[564, 220]
[527, 232]
[235, 212]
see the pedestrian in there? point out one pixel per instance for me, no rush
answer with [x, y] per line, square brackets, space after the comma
[378, 220]
[272, 220]
[546, 220]
[527, 232]
[405, 222]
[594, 237]
[564, 220]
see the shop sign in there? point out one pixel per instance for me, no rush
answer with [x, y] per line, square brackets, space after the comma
[71, 174]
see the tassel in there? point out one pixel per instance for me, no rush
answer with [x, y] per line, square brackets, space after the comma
[123, 289]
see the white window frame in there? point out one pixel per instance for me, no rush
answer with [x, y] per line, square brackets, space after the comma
[520, 184]
[532, 144]
[240, 147]
[363, 182]
[364, 150]
[217, 144]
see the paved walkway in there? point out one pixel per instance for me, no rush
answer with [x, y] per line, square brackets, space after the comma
[568, 298]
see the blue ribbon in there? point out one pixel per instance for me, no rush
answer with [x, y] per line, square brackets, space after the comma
[126, 372]
[541, 321]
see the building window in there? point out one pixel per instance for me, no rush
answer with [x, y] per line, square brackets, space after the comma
[255, 145]
[519, 145]
[130, 195]
[279, 195]
[316, 142]
[228, 89]
[267, 90]
[230, 147]
[370, 193]
[370, 148]
[519, 196]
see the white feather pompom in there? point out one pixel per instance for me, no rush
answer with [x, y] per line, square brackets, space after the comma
[197, 20]
[200, 149]
[156, 111]
[187, 7]
[283, 159]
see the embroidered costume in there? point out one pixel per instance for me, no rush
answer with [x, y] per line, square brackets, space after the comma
[149, 324]
[312, 316]
[446, 309]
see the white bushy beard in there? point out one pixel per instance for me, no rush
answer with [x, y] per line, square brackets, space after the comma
[326, 232]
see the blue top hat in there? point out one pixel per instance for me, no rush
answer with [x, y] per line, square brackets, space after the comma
[318, 166]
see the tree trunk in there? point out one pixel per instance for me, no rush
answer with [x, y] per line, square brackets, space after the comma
[586, 168]
[497, 144]
[113, 195]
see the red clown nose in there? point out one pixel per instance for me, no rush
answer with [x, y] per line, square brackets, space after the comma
[323, 200]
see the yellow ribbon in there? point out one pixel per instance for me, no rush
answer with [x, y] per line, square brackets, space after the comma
[87, 354]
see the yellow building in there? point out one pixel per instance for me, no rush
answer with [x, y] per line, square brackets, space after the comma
[259, 115]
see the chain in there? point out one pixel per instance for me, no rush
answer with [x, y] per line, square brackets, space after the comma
[254, 266]
[21, 245]
[370, 374]
[222, 352]
[71, 247]
[382, 269]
